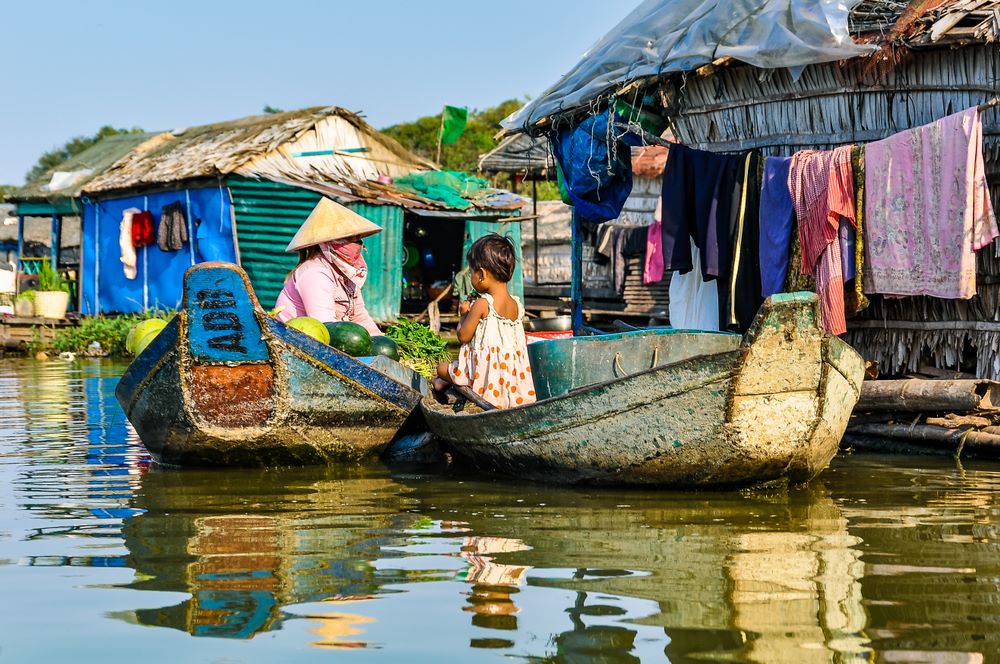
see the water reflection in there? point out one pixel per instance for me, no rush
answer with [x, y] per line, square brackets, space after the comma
[885, 559]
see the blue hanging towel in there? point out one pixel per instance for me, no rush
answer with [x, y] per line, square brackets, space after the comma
[597, 191]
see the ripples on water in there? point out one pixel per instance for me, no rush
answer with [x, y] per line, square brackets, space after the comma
[103, 558]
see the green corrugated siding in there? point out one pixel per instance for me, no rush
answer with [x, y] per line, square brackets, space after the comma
[383, 290]
[267, 216]
[477, 229]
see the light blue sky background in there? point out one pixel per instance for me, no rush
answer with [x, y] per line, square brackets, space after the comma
[72, 66]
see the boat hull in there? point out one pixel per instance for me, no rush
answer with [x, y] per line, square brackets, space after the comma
[264, 395]
[774, 408]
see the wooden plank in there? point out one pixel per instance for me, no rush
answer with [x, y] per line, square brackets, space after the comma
[927, 326]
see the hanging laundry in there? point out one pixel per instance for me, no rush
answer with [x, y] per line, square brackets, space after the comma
[125, 245]
[697, 193]
[739, 294]
[777, 217]
[597, 167]
[809, 182]
[821, 199]
[694, 302]
[142, 229]
[855, 300]
[653, 267]
[172, 233]
[927, 209]
[618, 243]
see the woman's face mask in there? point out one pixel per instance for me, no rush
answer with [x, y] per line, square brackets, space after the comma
[350, 251]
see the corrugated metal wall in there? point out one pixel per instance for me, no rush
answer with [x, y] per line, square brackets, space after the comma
[267, 216]
[477, 229]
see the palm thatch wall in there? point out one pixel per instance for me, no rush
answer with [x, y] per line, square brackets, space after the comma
[738, 108]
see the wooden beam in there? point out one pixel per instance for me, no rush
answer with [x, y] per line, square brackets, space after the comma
[925, 326]
[576, 278]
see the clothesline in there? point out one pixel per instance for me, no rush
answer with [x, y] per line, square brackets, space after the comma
[652, 139]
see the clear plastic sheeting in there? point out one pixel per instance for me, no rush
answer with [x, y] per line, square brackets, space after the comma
[663, 36]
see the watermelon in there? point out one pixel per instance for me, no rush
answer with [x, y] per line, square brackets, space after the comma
[383, 345]
[350, 338]
[310, 326]
[145, 341]
[139, 330]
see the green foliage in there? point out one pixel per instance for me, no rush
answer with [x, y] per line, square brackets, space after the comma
[109, 331]
[6, 190]
[51, 280]
[271, 110]
[421, 136]
[73, 146]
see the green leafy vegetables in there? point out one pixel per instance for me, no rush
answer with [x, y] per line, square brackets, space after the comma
[420, 348]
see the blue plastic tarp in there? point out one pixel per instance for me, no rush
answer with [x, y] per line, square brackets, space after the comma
[160, 274]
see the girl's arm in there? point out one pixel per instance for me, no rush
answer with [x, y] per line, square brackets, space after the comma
[467, 326]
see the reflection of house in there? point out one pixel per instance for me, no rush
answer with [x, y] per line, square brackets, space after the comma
[545, 241]
[240, 189]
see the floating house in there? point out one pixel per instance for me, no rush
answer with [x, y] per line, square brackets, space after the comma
[48, 209]
[545, 241]
[237, 191]
[857, 76]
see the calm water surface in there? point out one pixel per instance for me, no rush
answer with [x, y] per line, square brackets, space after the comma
[105, 558]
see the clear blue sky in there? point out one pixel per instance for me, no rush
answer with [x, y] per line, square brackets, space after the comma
[73, 66]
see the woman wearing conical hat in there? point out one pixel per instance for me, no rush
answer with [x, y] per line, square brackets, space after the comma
[326, 284]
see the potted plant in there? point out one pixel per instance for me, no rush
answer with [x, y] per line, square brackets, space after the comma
[52, 296]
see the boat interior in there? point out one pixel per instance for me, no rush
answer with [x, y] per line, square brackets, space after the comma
[562, 365]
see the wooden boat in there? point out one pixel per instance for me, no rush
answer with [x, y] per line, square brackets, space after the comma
[224, 384]
[672, 408]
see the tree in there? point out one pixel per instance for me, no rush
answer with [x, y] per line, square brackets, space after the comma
[421, 136]
[271, 110]
[73, 147]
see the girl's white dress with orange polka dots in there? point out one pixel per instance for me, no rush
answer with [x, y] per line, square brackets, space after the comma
[495, 363]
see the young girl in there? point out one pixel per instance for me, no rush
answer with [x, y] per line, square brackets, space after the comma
[493, 360]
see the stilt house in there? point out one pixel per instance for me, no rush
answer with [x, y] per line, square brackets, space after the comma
[859, 73]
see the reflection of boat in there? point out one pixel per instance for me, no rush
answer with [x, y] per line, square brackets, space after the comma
[225, 384]
[311, 542]
[665, 407]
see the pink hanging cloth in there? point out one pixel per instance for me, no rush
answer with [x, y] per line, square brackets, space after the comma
[653, 269]
[927, 209]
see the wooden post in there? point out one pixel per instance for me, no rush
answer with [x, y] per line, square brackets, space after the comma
[20, 255]
[440, 136]
[534, 225]
[576, 273]
[56, 240]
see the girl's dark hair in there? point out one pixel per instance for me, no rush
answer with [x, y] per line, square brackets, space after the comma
[495, 254]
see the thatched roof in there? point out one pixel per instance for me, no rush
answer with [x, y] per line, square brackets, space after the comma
[76, 172]
[268, 147]
[662, 39]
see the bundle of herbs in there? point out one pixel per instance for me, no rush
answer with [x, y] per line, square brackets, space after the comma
[420, 348]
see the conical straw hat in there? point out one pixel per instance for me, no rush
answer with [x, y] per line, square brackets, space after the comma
[331, 221]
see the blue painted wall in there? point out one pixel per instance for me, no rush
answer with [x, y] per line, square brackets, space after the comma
[160, 275]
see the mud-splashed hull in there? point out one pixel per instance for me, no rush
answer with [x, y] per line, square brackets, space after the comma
[226, 385]
[772, 407]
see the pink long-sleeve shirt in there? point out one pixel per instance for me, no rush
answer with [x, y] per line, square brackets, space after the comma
[315, 290]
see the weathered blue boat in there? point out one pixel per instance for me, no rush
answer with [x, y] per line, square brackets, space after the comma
[672, 408]
[224, 384]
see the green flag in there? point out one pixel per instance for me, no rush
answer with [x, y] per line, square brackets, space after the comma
[453, 121]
